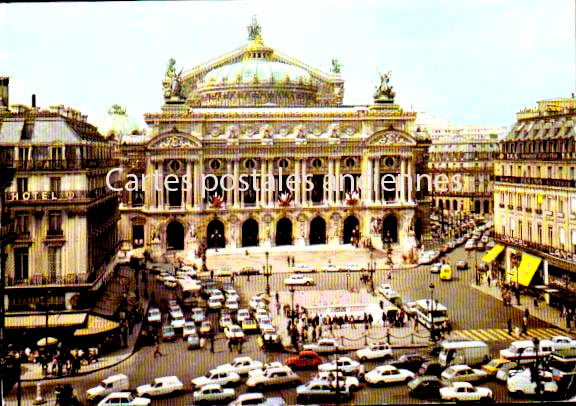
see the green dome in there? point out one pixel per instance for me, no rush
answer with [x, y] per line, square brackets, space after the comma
[117, 122]
[257, 71]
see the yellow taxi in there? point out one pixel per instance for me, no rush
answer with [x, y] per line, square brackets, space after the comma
[249, 325]
[446, 272]
[494, 365]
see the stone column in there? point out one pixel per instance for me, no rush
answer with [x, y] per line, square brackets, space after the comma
[412, 180]
[329, 193]
[263, 194]
[297, 187]
[198, 184]
[402, 183]
[270, 198]
[188, 185]
[161, 184]
[338, 197]
[228, 194]
[236, 192]
[367, 193]
[377, 180]
[149, 185]
[303, 184]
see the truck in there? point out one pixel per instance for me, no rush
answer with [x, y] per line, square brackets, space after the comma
[463, 352]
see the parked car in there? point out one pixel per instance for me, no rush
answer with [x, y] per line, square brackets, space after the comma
[463, 373]
[330, 268]
[168, 333]
[323, 346]
[344, 364]
[305, 359]
[223, 378]
[461, 265]
[154, 315]
[248, 270]
[114, 383]
[425, 386]
[376, 350]
[273, 377]
[522, 383]
[320, 391]
[214, 394]
[465, 391]
[124, 399]
[166, 385]
[385, 374]
[299, 280]
[240, 365]
[193, 341]
[304, 268]
[189, 329]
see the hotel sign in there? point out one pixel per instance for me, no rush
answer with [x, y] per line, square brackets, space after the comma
[25, 196]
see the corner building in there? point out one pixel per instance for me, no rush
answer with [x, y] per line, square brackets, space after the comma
[258, 113]
[535, 201]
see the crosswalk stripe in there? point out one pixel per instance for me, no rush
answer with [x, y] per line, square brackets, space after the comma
[496, 334]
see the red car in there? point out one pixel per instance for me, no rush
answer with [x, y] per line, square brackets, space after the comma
[306, 359]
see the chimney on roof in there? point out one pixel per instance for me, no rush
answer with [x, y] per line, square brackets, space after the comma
[4, 100]
[33, 101]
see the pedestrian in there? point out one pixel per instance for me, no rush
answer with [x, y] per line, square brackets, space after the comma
[488, 280]
[509, 325]
[157, 349]
[277, 297]
[288, 260]
[526, 313]
[230, 344]
[212, 343]
[240, 341]
[524, 325]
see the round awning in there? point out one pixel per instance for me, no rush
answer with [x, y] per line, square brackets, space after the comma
[50, 340]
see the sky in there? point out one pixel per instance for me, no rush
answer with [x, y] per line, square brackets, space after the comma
[473, 62]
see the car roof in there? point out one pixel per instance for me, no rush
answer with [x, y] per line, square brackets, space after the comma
[212, 386]
[459, 367]
[462, 385]
[386, 367]
[116, 377]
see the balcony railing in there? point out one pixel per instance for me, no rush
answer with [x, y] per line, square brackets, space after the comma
[7, 230]
[55, 234]
[546, 249]
[569, 183]
[60, 164]
[42, 279]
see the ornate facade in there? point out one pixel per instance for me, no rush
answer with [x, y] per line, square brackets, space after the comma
[257, 115]
[535, 196]
[65, 219]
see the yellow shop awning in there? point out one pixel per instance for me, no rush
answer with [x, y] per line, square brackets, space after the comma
[96, 325]
[39, 320]
[527, 269]
[493, 253]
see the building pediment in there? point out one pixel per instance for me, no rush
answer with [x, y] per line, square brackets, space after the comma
[391, 137]
[174, 139]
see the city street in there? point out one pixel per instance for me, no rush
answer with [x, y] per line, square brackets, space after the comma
[469, 310]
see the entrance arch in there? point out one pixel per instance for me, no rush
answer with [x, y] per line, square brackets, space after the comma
[175, 236]
[317, 231]
[215, 234]
[418, 229]
[486, 206]
[250, 233]
[477, 206]
[351, 229]
[284, 232]
[390, 224]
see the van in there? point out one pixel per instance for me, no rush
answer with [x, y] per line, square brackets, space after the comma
[463, 352]
[446, 272]
[114, 383]
[523, 351]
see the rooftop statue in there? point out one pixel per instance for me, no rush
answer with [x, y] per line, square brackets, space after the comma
[172, 82]
[384, 93]
[254, 30]
[336, 66]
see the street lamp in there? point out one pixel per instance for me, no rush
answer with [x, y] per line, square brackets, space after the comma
[267, 272]
[388, 241]
[536, 368]
[431, 309]
[292, 313]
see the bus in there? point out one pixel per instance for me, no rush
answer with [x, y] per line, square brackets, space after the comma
[430, 312]
[188, 293]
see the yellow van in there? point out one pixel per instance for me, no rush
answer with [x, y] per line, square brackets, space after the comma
[446, 272]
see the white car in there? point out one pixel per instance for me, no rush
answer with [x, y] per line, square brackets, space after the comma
[198, 315]
[331, 268]
[562, 342]
[170, 281]
[522, 383]
[231, 294]
[273, 377]
[123, 399]
[463, 373]
[265, 367]
[178, 320]
[114, 383]
[465, 391]
[242, 315]
[351, 383]
[214, 394]
[377, 350]
[216, 294]
[223, 378]
[260, 313]
[166, 385]
[351, 267]
[303, 268]
[225, 320]
[265, 325]
[256, 302]
[323, 346]
[385, 287]
[250, 398]
[231, 303]
[189, 329]
[384, 374]
[154, 315]
[299, 280]
[345, 364]
[234, 331]
[214, 303]
[240, 365]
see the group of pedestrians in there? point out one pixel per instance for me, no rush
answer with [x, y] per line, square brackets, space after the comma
[519, 331]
